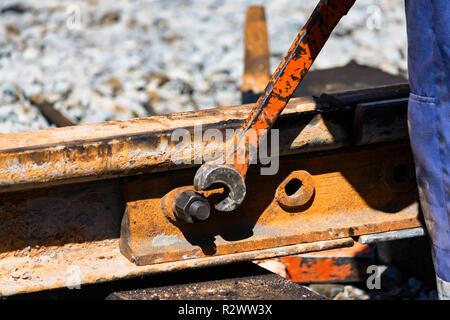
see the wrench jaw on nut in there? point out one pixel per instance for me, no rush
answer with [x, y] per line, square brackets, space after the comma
[207, 175]
[269, 106]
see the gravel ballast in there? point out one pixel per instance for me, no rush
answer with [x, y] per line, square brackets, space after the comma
[101, 60]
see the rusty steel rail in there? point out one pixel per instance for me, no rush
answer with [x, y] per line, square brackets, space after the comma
[121, 148]
[64, 191]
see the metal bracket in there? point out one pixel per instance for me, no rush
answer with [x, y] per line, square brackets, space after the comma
[350, 199]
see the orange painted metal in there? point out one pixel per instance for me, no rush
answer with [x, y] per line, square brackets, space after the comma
[335, 265]
[287, 77]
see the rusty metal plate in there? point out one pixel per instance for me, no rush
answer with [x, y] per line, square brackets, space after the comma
[359, 191]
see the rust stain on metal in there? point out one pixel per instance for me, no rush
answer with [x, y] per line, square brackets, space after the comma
[59, 215]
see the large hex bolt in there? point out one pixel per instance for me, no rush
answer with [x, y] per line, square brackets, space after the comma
[191, 207]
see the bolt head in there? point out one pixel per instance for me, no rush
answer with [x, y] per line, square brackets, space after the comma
[191, 207]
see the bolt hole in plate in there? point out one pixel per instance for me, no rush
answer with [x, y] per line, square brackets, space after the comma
[292, 187]
[398, 174]
[295, 191]
[401, 173]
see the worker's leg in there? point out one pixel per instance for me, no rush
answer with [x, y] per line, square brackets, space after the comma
[428, 24]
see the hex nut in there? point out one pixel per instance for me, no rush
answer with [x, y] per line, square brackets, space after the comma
[191, 207]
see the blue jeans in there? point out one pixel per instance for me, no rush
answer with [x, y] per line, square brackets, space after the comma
[428, 27]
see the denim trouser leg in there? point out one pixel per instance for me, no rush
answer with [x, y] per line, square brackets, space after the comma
[428, 26]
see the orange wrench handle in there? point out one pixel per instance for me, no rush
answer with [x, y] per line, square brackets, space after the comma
[287, 77]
